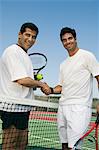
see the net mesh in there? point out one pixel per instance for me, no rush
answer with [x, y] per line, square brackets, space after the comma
[42, 126]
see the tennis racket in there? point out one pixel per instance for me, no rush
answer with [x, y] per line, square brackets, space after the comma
[91, 136]
[39, 61]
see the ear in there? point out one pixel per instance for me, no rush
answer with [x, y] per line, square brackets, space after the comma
[19, 35]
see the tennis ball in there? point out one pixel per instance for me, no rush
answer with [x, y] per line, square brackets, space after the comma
[39, 76]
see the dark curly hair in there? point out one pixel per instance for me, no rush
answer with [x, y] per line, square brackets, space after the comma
[67, 30]
[30, 26]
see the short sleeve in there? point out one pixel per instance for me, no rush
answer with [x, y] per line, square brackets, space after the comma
[15, 66]
[93, 65]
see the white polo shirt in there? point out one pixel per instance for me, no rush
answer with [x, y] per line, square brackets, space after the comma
[76, 78]
[15, 64]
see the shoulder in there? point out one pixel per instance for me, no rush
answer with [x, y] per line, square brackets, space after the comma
[10, 50]
[64, 63]
[89, 58]
[13, 50]
[87, 53]
[11, 47]
[11, 54]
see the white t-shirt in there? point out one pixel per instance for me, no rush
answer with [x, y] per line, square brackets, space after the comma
[76, 78]
[15, 64]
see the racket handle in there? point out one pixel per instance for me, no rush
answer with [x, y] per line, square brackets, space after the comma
[37, 77]
[34, 88]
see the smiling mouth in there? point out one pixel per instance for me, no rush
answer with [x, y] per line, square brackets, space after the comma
[28, 44]
[68, 46]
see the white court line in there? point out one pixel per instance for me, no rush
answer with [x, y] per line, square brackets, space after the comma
[47, 139]
[85, 148]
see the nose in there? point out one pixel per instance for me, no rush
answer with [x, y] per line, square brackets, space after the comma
[68, 41]
[30, 39]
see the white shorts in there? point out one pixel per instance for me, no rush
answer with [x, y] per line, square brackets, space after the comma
[73, 121]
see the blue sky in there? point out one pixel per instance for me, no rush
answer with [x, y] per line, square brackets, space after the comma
[50, 16]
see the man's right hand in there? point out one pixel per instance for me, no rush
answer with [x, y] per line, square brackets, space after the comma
[46, 89]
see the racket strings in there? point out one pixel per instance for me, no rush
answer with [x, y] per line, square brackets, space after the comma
[91, 139]
[37, 61]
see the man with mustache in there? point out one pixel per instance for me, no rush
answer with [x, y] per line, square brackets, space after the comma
[17, 81]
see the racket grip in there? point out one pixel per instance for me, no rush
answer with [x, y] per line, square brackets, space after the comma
[52, 91]
[35, 76]
[34, 88]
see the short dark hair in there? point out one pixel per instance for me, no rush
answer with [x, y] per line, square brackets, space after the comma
[67, 30]
[30, 26]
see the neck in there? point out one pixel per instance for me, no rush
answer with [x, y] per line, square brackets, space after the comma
[21, 47]
[71, 53]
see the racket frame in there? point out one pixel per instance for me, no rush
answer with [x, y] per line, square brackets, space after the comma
[39, 69]
[94, 126]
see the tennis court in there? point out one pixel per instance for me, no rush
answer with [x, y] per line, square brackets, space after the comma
[43, 134]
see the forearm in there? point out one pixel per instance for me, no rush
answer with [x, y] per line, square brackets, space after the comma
[29, 82]
[56, 90]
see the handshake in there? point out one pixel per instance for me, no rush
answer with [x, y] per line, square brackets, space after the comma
[46, 89]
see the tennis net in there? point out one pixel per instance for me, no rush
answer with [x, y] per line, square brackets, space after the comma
[42, 126]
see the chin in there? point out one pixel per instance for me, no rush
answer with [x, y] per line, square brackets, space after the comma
[26, 48]
[71, 49]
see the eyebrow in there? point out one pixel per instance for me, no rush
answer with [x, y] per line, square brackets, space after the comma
[67, 38]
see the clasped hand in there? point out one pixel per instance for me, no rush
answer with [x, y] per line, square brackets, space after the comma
[46, 89]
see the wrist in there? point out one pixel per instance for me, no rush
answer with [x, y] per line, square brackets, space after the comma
[39, 84]
[52, 90]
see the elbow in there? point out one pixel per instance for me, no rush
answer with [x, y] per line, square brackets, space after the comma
[19, 82]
